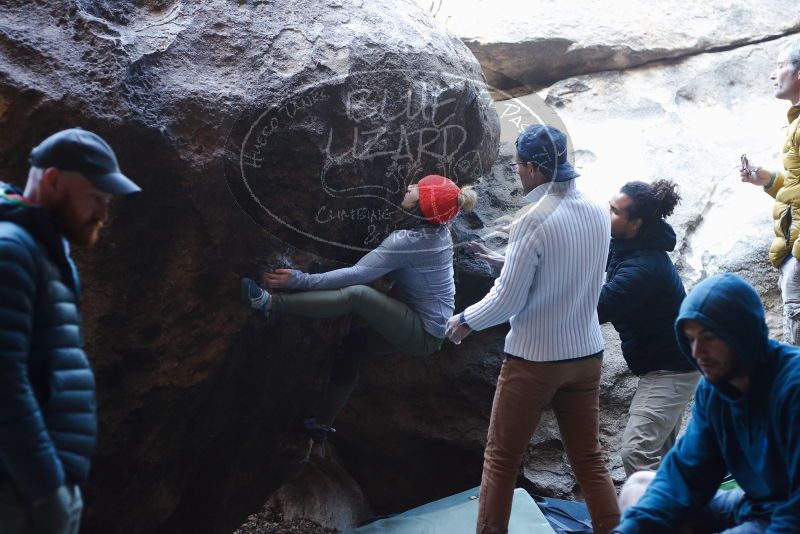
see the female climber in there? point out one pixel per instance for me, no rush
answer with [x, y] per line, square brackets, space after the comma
[419, 256]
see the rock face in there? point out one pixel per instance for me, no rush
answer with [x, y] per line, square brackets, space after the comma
[323, 492]
[519, 43]
[241, 122]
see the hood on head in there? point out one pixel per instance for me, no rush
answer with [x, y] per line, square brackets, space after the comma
[730, 308]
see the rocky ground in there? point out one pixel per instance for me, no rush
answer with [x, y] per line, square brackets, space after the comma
[271, 522]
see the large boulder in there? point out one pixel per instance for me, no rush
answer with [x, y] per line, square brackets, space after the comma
[323, 492]
[521, 43]
[264, 135]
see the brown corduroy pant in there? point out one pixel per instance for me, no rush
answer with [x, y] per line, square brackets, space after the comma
[524, 389]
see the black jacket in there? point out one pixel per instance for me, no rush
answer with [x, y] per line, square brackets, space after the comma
[48, 424]
[641, 298]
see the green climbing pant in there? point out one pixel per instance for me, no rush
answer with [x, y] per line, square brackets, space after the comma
[396, 327]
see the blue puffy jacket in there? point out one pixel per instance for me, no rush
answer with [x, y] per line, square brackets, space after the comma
[48, 420]
[641, 298]
[755, 436]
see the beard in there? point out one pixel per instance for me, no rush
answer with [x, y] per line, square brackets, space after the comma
[83, 234]
[723, 374]
[80, 231]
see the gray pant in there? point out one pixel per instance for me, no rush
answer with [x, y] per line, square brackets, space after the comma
[655, 418]
[790, 292]
[59, 514]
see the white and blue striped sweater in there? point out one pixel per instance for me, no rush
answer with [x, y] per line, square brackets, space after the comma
[550, 284]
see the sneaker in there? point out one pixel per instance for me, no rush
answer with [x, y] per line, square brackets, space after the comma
[254, 296]
[318, 433]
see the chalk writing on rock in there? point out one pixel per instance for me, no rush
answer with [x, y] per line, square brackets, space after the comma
[345, 153]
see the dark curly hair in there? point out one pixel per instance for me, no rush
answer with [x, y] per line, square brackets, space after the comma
[651, 202]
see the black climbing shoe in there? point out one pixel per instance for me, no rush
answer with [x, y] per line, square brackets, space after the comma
[255, 297]
[318, 433]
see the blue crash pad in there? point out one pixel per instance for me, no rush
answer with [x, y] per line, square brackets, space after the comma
[458, 514]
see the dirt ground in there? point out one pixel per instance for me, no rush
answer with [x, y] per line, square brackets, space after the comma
[271, 522]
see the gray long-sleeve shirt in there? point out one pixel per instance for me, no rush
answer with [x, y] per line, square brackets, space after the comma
[421, 263]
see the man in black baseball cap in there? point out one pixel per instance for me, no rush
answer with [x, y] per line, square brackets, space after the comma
[73, 175]
[47, 394]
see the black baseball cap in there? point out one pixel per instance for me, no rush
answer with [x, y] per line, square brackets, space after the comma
[85, 152]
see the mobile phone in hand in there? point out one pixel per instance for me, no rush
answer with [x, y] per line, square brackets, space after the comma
[745, 163]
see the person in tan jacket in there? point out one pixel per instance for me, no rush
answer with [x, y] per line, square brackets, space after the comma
[784, 187]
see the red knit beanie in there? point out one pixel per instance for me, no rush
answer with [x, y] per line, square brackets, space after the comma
[438, 198]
